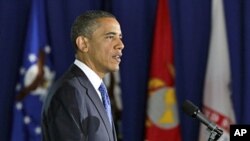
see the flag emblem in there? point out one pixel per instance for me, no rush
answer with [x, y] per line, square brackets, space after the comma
[162, 110]
[37, 77]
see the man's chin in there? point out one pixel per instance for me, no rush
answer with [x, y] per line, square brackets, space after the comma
[115, 69]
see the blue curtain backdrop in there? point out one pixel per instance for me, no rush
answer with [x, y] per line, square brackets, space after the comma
[191, 27]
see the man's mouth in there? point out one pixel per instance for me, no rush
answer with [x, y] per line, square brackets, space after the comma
[117, 58]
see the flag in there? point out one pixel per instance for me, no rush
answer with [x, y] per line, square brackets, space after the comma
[217, 104]
[162, 122]
[36, 76]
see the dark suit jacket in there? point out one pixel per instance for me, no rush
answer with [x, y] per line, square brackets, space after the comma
[73, 111]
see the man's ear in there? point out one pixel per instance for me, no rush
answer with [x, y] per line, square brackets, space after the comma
[82, 43]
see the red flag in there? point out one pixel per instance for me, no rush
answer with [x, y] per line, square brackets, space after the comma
[162, 121]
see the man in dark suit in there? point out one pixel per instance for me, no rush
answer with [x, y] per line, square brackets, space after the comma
[76, 108]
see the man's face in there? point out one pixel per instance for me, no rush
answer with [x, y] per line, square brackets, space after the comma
[105, 46]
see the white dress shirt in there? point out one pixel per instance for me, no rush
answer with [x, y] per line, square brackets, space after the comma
[94, 79]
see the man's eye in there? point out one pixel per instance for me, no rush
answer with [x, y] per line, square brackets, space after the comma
[110, 37]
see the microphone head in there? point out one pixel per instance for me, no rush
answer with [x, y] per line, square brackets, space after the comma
[190, 109]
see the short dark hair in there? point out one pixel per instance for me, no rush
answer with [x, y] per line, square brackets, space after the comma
[86, 23]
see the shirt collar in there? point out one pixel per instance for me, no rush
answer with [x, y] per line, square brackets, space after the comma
[94, 79]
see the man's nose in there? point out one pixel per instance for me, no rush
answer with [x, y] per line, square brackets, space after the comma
[120, 44]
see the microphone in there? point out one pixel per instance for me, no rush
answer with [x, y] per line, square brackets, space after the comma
[190, 109]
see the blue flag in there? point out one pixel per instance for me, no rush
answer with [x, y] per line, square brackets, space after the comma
[36, 76]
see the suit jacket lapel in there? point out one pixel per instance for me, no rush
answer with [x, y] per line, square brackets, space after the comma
[92, 94]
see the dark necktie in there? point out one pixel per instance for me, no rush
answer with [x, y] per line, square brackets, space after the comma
[106, 101]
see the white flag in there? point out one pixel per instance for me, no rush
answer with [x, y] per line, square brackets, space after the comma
[217, 105]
